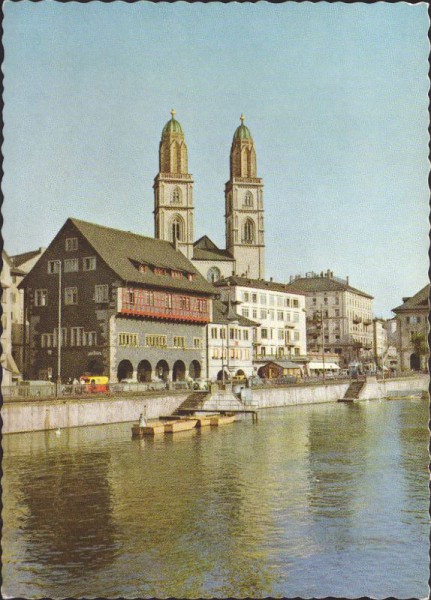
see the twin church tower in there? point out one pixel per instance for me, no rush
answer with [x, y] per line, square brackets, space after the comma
[174, 207]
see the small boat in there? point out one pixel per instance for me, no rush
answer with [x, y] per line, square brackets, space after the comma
[149, 429]
[217, 420]
[181, 425]
[204, 421]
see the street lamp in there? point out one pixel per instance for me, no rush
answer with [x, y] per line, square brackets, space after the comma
[58, 382]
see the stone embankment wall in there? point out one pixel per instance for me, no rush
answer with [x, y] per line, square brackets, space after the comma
[309, 394]
[39, 415]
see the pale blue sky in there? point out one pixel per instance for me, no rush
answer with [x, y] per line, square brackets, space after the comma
[335, 96]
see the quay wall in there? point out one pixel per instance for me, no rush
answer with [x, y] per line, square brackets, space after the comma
[307, 394]
[40, 415]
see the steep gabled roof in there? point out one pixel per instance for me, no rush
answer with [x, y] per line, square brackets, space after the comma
[20, 259]
[419, 301]
[123, 252]
[323, 284]
[205, 249]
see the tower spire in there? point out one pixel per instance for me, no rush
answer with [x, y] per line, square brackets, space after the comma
[242, 118]
[173, 113]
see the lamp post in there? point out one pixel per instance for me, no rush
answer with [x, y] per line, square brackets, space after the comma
[58, 382]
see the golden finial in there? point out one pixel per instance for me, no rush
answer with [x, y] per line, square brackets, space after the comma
[173, 113]
[242, 118]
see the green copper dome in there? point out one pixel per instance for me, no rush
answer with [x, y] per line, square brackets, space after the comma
[242, 132]
[172, 126]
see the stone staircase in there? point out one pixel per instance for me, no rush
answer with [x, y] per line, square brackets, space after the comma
[353, 391]
[192, 403]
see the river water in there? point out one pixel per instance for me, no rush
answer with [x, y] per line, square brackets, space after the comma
[323, 500]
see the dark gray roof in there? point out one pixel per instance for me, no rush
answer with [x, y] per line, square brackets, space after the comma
[220, 314]
[205, 249]
[323, 284]
[417, 302]
[123, 250]
[261, 284]
[20, 259]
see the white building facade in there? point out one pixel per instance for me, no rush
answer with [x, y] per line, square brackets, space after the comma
[279, 312]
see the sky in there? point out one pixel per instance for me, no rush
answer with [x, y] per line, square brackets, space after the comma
[335, 96]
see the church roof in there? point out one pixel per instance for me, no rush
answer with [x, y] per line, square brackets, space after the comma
[242, 132]
[172, 126]
[123, 252]
[205, 249]
[417, 302]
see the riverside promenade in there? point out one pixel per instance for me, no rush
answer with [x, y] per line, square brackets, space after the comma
[36, 414]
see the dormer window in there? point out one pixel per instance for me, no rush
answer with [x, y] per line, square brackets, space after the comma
[142, 268]
[176, 274]
[191, 276]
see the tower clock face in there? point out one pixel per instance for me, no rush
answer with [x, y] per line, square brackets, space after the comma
[213, 274]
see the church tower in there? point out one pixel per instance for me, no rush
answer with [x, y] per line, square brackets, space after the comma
[173, 190]
[244, 207]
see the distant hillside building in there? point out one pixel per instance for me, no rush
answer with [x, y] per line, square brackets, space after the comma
[131, 307]
[412, 318]
[10, 370]
[346, 327]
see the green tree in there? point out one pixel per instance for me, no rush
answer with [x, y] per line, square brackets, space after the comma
[420, 345]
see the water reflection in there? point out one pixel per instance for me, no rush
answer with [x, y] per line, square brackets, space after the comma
[277, 509]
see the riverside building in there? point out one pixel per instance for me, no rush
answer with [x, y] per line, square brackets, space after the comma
[130, 307]
[412, 319]
[339, 316]
[230, 339]
[279, 311]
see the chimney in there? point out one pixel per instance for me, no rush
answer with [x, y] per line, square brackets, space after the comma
[347, 279]
[270, 279]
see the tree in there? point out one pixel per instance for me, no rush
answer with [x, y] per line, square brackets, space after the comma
[420, 344]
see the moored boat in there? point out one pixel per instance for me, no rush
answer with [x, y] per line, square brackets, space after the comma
[181, 425]
[217, 420]
[149, 429]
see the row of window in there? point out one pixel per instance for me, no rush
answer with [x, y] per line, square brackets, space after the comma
[271, 314]
[280, 334]
[279, 352]
[78, 337]
[234, 353]
[143, 268]
[270, 300]
[71, 265]
[234, 333]
[413, 320]
[101, 294]
[326, 301]
[156, 341]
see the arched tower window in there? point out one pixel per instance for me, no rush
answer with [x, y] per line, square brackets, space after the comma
[248, 232]
[248, 199]
[213, 274]
[176, 196]
[177, 229]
